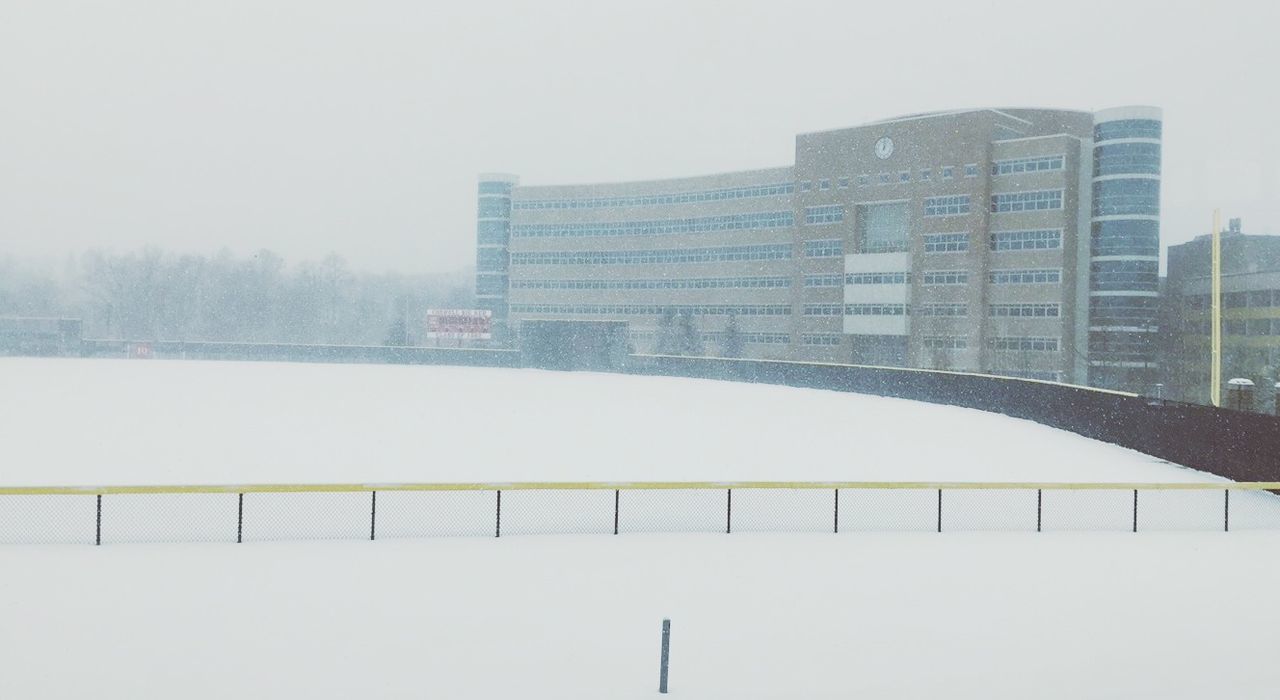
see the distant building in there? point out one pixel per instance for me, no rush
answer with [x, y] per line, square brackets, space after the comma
[1022, 242]
[1250, 313]
[40, 336]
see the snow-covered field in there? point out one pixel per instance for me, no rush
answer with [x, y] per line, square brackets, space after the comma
[755, 615]
[956, 615]
[82, 422]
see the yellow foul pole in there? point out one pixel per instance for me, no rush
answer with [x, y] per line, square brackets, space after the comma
[1215, 302]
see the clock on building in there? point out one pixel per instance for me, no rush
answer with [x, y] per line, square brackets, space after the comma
[884, 147]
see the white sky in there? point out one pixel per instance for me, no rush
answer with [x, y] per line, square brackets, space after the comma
[316, 126]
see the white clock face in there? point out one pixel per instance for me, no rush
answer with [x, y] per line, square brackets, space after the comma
[884, 147]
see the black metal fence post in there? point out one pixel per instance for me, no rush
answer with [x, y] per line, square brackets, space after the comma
[97, 536]
[728, 513]
[373, 514]
[497, 527]
[666, 655]
[616, 498]
[1039, 509]
[939, 510]
[835, 527]
[1226, 509]
[1135, 510]
[240, 519]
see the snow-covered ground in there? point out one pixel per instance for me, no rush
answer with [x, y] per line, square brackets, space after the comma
[956, 615]
[82, 422]
[755, 615]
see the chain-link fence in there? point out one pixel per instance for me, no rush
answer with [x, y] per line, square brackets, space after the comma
[304, 512]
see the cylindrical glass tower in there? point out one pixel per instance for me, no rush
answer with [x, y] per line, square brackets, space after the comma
[493, 231]
[1124, 265]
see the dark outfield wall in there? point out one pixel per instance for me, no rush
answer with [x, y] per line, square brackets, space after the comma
[1238, 445]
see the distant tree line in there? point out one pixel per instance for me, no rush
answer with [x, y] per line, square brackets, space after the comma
[153, 294]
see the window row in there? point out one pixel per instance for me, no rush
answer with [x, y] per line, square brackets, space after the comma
[493, 232]
[823, 309]
[946, 342]
[1025, 344]
[947, 205]
[1039, 239]
[1025, 310]
[1258, 299]
[1126, 237]
[652, 257]
[878, 278]
[825, 339]
[663, 283]
[1125, 275]
[1128, 311]
[876, 310]
[1127, 129]
[826, 248]
[1249, 327]
[946, 172]
[656, 309]
[1034, 200]
[1126, 197]
[825, 214]
[1025, 277]
[1127, 158]
[1027, 165]
[833, 280]
[703, 224]
[728, 193]
[943, 310]
[646, 334]
[946, 242]
[494, 187]
[941, 277]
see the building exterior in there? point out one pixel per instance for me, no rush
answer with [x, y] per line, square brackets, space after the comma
[986, 240]
[1250, 314]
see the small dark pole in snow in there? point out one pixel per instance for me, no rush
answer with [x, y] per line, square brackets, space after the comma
[1039, 497]
[728, 513]
[1226, 510]
[373, 514]
[836, 520]
[939, 510]
[240, 519]
[666, 655]
[1135, 510]
[615, 510]
[97, 537]
[497, 527]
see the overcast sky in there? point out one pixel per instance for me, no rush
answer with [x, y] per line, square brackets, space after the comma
[315, 126]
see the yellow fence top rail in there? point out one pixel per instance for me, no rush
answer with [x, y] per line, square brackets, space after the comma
[640, 485]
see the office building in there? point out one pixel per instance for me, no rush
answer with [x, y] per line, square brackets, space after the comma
[1013, 241]
[1250, 313]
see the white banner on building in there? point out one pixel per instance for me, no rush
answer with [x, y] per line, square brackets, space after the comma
[459, 324]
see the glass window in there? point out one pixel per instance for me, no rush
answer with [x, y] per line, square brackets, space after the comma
[884, 227]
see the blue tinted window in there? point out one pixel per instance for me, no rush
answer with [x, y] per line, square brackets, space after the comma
[491, 260]
[495, 188]
[1126, 197]
[1127, 158]
[1125, 275]
[1139, 237]
[492, 233]
[1127, 129]
[491, 284]
[491, 207]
